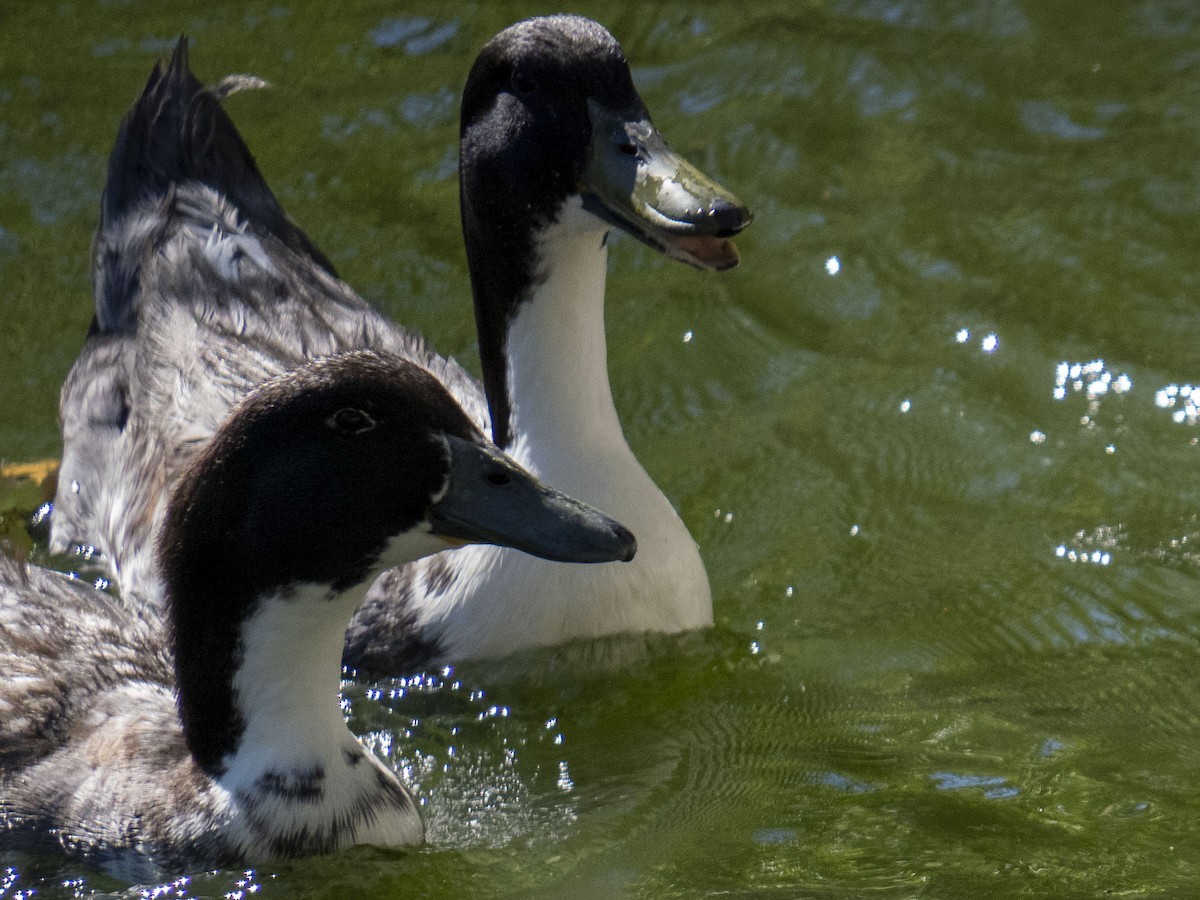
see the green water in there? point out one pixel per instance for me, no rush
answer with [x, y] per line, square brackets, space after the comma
[957, 646]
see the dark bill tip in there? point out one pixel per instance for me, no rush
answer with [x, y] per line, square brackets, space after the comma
[626, 541]
[729, 216]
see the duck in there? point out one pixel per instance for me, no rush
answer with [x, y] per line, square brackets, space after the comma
[557, 150]
[221, 739]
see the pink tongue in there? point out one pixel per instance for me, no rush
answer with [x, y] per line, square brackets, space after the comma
[707, 252]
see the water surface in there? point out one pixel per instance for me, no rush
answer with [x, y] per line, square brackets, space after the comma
[937, 437]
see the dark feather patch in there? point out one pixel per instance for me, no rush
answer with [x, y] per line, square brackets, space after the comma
[295, 787]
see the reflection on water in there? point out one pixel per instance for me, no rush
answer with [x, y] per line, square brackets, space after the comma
[465, 755]
[1092, 379]
[1185, 397]
[1091, 547]
[936, 439]
[415, 35]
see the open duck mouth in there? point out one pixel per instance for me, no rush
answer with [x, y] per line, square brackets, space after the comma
[717, 254]
[638, 183]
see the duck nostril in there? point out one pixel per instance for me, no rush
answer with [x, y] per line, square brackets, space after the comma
[629, 149]
[498, 478]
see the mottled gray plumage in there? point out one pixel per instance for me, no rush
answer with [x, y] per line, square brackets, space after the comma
[89, 734]
[204, 289]
[63, 645]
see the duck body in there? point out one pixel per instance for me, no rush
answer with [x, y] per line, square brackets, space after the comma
[203, 340]
[229, 293]
[220, 738]
[101, 761]
[198, 300]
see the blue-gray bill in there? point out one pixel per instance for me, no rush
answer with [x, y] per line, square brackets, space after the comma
[492, 500]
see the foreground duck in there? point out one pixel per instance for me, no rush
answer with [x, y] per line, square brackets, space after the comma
[227, 741]
[556, 149]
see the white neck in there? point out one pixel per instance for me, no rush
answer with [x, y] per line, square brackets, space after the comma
[298, 773]
[557, 355]
[288, 682]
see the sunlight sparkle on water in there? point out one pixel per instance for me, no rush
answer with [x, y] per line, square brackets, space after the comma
[1182, 399]
[1091, 378]
[176, 888]
[1099, 557]
[962, 335]
[565, 784]
[833, 265]
[245, 885]
[8, 879]
[989, 343]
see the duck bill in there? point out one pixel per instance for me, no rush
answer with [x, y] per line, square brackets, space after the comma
[489, 499]
[636, 182]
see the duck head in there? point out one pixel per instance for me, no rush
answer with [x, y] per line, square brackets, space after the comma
[318, 481]
[550, 112]
[551, 120]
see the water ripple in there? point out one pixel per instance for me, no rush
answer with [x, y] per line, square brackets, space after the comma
[415, 35]
[1044, 119]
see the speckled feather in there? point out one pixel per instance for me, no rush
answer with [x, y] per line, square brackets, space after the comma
[198, 301]
[86, 704]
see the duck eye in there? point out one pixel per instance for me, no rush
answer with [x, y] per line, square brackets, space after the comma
[350, 421]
